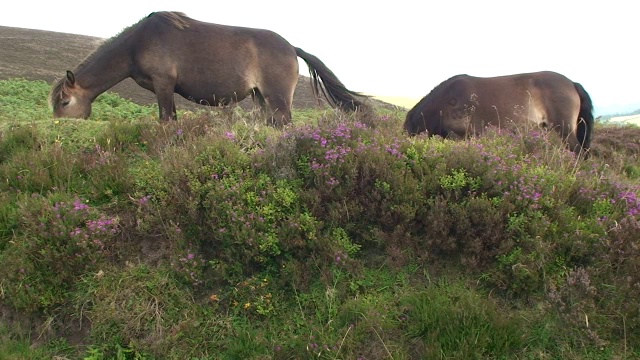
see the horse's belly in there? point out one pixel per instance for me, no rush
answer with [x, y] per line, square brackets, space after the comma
[211, 97]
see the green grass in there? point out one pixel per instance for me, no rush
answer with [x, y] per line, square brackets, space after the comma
[452, 321]
[337, 237]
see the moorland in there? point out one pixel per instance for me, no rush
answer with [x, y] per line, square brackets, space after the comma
[337, 237]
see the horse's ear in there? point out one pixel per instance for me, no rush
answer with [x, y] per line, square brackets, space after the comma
[71, 79]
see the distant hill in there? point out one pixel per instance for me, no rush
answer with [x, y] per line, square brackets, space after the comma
[606, 112]
[624, 120]
[619, 115]
[405, 102]
[46, 55]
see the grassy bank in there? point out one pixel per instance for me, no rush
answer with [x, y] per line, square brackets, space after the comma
[338, 237]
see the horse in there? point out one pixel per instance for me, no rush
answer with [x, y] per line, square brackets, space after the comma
[465, 105]
[211, 64]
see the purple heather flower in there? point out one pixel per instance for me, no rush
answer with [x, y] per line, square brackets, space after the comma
[144, 200]
[79, 205]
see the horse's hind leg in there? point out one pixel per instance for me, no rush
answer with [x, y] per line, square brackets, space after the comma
[257, 96]
[571, 136]
[277, 84]
[277, 108]
[280, 112]
[275, 117]
[563, 119]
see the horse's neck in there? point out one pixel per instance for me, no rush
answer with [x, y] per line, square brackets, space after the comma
[101, 72]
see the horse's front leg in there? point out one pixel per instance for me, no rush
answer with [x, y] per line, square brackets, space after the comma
[164, 89]
[166, 106]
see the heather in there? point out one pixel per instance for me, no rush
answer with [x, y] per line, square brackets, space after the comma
[337, 237]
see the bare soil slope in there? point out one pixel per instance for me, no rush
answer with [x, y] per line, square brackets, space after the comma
[45, 55]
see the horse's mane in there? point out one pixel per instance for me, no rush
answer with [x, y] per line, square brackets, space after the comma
[177, 19]
[174, 18]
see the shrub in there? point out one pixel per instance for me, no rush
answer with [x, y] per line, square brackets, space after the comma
[60, 239]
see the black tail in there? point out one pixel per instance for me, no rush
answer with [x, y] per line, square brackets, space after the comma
[585, 118]
[325, 81]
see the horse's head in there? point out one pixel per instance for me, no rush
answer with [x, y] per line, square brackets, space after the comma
[422, 118]
[69, 99]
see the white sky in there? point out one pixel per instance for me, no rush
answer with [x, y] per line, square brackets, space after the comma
[400, 48]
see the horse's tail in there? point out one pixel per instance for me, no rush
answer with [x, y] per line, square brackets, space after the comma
[585, 118]
[325, 81]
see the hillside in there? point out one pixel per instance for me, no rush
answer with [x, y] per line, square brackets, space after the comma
[335, 238]
[45, 55]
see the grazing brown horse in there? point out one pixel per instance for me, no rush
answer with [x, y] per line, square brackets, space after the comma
[464, 105]
[210, 64]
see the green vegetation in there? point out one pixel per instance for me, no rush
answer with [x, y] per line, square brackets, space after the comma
[338, 237]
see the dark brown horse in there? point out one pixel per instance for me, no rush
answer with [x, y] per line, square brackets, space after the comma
[464, 105]
[210, 64]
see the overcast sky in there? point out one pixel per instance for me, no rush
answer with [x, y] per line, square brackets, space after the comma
[401, 48]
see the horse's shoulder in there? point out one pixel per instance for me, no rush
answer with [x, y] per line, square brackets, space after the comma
[457, 83]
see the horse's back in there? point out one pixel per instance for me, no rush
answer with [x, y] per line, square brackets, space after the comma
[524, 82]
[200, 56]
[537, 97]
[204, 38]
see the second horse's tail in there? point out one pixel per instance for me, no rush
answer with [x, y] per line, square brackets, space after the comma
[325, 81]
[585, 118]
